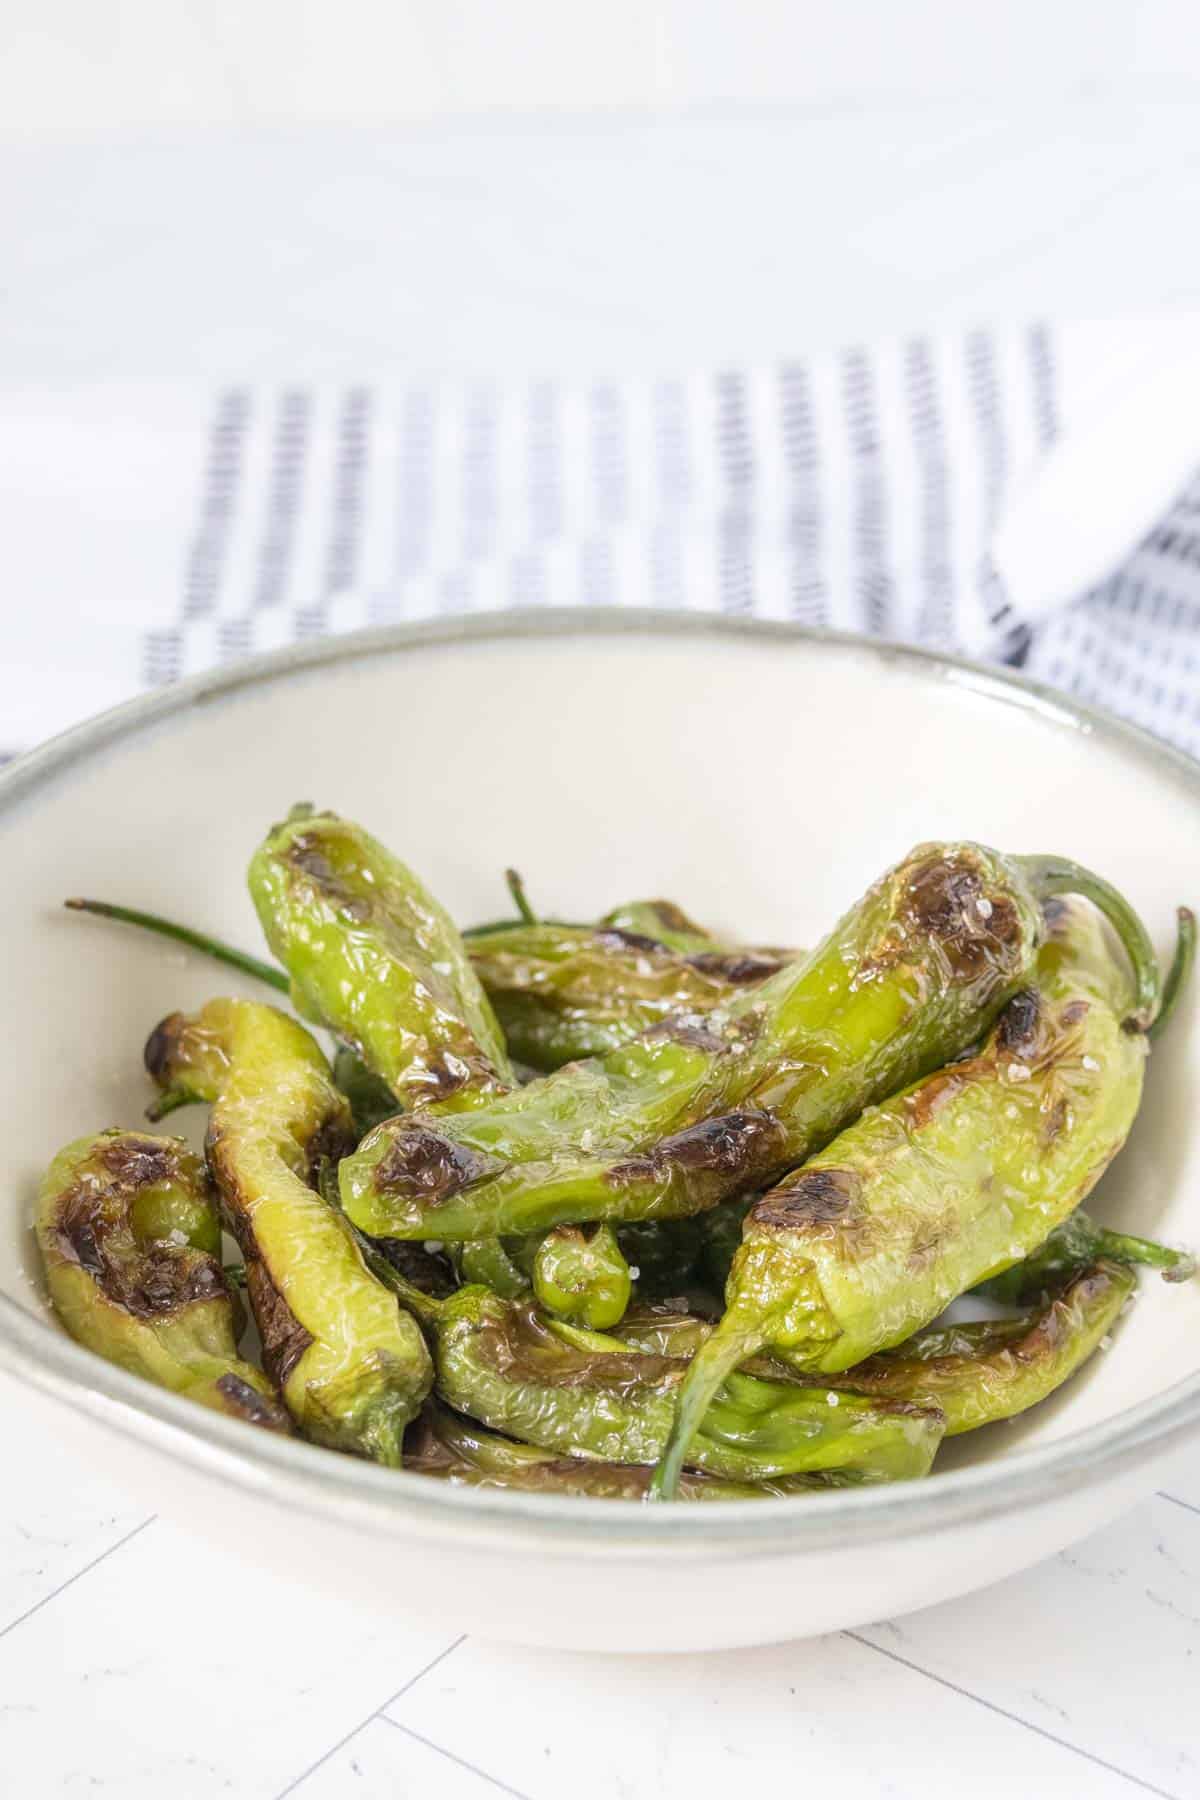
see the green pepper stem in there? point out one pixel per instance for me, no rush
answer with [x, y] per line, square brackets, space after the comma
[182, 934]
[1180, 970]
[516, 888]
[715, 1360]
[1052, 875]
[1176, 1265]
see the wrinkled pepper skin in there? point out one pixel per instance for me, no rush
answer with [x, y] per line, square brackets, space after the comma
[953, 1180]
[693, 1112]
[500, 1363]
[994, 1369]
[563, 992]
[454, 1449]
[351, 1365]
[128, 1230]
[581, 1275]
[377, 960]
[974, 1374]
[1069, 1248]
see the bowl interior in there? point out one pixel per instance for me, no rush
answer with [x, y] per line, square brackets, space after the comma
[761, 780]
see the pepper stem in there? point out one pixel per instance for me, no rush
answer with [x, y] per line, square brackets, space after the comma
[516, 888]
[1176, 1265]
[1180, 970]
[183, 934]
[715, 1360]
[1052, 875]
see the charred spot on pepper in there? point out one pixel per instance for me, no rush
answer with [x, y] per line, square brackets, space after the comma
[284, 1338]
[1019, 1026]
[977, 931]
[1058, 1117]
[162, 1046]
[682, 1029]
[739, 970]
[138, 1162]
[421, 1161]
[250, 1405]
[812, 1197]
[1073, 1013]
[739, 1145]
[305, 854]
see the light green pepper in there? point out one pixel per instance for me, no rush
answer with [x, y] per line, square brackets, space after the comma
[352, 1367]
[128, 1231]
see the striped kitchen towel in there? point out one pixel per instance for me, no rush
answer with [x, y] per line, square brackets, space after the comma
[153, 532]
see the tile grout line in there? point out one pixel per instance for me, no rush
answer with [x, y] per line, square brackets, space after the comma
[370, 1719]
[77, 1576]
[1014, 1718]
[1176, 1501]
[451, 1756]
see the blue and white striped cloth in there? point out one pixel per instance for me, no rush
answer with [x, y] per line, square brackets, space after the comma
[154, 532]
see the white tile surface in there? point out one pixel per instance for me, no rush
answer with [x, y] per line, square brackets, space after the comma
[669, 1728]
[384, 1761]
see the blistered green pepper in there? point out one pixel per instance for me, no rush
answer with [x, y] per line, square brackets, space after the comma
[993, 1369]
[953, 1180]
[499, 1362]
[130, 1239]
[581, 1274]
[375, 958]
[693, 1112]
[974, 1373]
[562, 992]
[1069, 1249]
[351, 1365]
[454, 1449]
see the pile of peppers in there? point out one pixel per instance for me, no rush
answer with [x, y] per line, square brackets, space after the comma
[624, 1209]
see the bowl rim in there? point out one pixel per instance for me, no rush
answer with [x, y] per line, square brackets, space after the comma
[394, 1501]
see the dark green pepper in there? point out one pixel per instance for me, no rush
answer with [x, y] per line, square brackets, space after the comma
[351, 1365]
[993, 1369]
[692, 1113]
[499, 1362]
[451, 1448]
[950, 1182]
[562, 992]
[128, 1230]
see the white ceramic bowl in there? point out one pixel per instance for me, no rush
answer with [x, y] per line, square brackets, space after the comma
[762, 776]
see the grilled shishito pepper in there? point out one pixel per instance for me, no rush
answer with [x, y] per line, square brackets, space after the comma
[351, 1365]
[498, 1361]
[563, 992]
[454, 1449]
[375, 958]
[693, 1112]
[951, 1181]
[128, 1230]
[993, 1369]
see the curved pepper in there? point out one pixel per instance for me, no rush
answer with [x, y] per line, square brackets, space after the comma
[993, 1369]
[693, 1112]
[129, 1235]
[499, 1362]
[953, 1180]
[454, 1449]
[973, 1373]
[352, 1367]
[374, 958]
